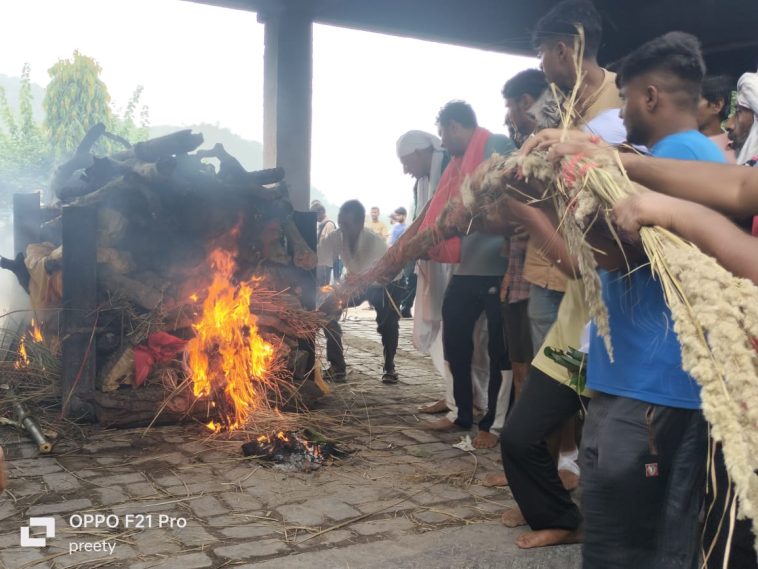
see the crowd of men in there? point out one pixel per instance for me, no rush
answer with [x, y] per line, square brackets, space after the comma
[487, 306]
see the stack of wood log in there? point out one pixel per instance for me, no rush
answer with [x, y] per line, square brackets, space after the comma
[162, 206]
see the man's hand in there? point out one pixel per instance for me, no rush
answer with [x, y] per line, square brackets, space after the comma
[505, 284]
[644, 209]
[560, 143]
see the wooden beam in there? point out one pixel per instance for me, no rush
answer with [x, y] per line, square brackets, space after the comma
[79, 310]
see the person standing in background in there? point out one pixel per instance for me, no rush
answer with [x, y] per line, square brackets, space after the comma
[713, 110]
[375, 225]
[398, 228]
[743, 132]
[324, 227]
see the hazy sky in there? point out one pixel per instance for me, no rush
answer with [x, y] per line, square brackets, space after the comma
[201, 63]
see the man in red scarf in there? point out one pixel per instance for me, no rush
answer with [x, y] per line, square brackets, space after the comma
[479, 269]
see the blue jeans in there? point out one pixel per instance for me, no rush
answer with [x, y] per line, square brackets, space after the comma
[542, 312]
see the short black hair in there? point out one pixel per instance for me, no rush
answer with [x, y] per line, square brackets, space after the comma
[458, 111]
[401, 210]
[353, 208]
[564, 20]
[675, 54]
[717, 87]
[529, 82]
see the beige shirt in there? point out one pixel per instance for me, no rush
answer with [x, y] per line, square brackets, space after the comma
[605, 98]
[541, 271]
[378, 227]
[369, 249]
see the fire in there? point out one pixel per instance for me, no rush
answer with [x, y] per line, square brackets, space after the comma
[36, 332]
[228, 359]
[35, 335]
[23, 355]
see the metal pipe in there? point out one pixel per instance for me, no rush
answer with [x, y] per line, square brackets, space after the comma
[31, 426]
[26, 420]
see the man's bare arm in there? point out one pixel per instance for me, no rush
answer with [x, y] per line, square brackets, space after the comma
[545, 236]
[734, 249]
[730, 189]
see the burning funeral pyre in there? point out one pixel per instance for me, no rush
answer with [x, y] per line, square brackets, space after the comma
[202, 288]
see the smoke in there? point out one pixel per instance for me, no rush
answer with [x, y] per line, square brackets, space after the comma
[14, 302]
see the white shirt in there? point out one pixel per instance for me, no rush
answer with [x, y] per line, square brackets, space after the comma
[369, 249]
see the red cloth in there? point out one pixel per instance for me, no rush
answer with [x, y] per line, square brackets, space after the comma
[160, 349]
[755, 225]
[449, 188]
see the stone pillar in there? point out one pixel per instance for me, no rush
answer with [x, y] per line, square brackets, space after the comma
[287, 95]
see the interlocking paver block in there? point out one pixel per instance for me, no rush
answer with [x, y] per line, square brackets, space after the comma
[61, 482]
[69, 506]
[251, 549]
[207, 506]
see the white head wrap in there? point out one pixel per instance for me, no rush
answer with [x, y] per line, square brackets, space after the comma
[747, 96]
[416, 140]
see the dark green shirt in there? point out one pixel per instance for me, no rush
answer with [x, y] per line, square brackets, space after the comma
[482, 254]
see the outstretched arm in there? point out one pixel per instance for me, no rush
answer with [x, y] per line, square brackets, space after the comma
[734, 249]
[731, 189]
[544, 234]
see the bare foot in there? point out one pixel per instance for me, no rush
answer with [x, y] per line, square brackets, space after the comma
[569, 479]
[513, 518]
[434, 408]
[495, 479]
[547, 537]
[484, 439]
[443, 424]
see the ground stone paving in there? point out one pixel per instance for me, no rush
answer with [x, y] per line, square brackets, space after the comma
[406, 498]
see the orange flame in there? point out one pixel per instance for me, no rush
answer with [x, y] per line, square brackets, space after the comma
[23, 355]
[228, 359]
[36, 332]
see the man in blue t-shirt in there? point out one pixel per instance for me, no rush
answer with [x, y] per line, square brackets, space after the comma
[645, 441]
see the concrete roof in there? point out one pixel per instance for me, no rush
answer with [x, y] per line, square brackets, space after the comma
[728, 29]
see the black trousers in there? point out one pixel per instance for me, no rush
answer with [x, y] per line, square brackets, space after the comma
[544, 405]
[465, 299]
[409, 295]
[717, 513]
[385, 301]
[643, 479]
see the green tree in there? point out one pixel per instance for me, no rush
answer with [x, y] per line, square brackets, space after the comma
[125, 124]
[75, 100]
[25, 155]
